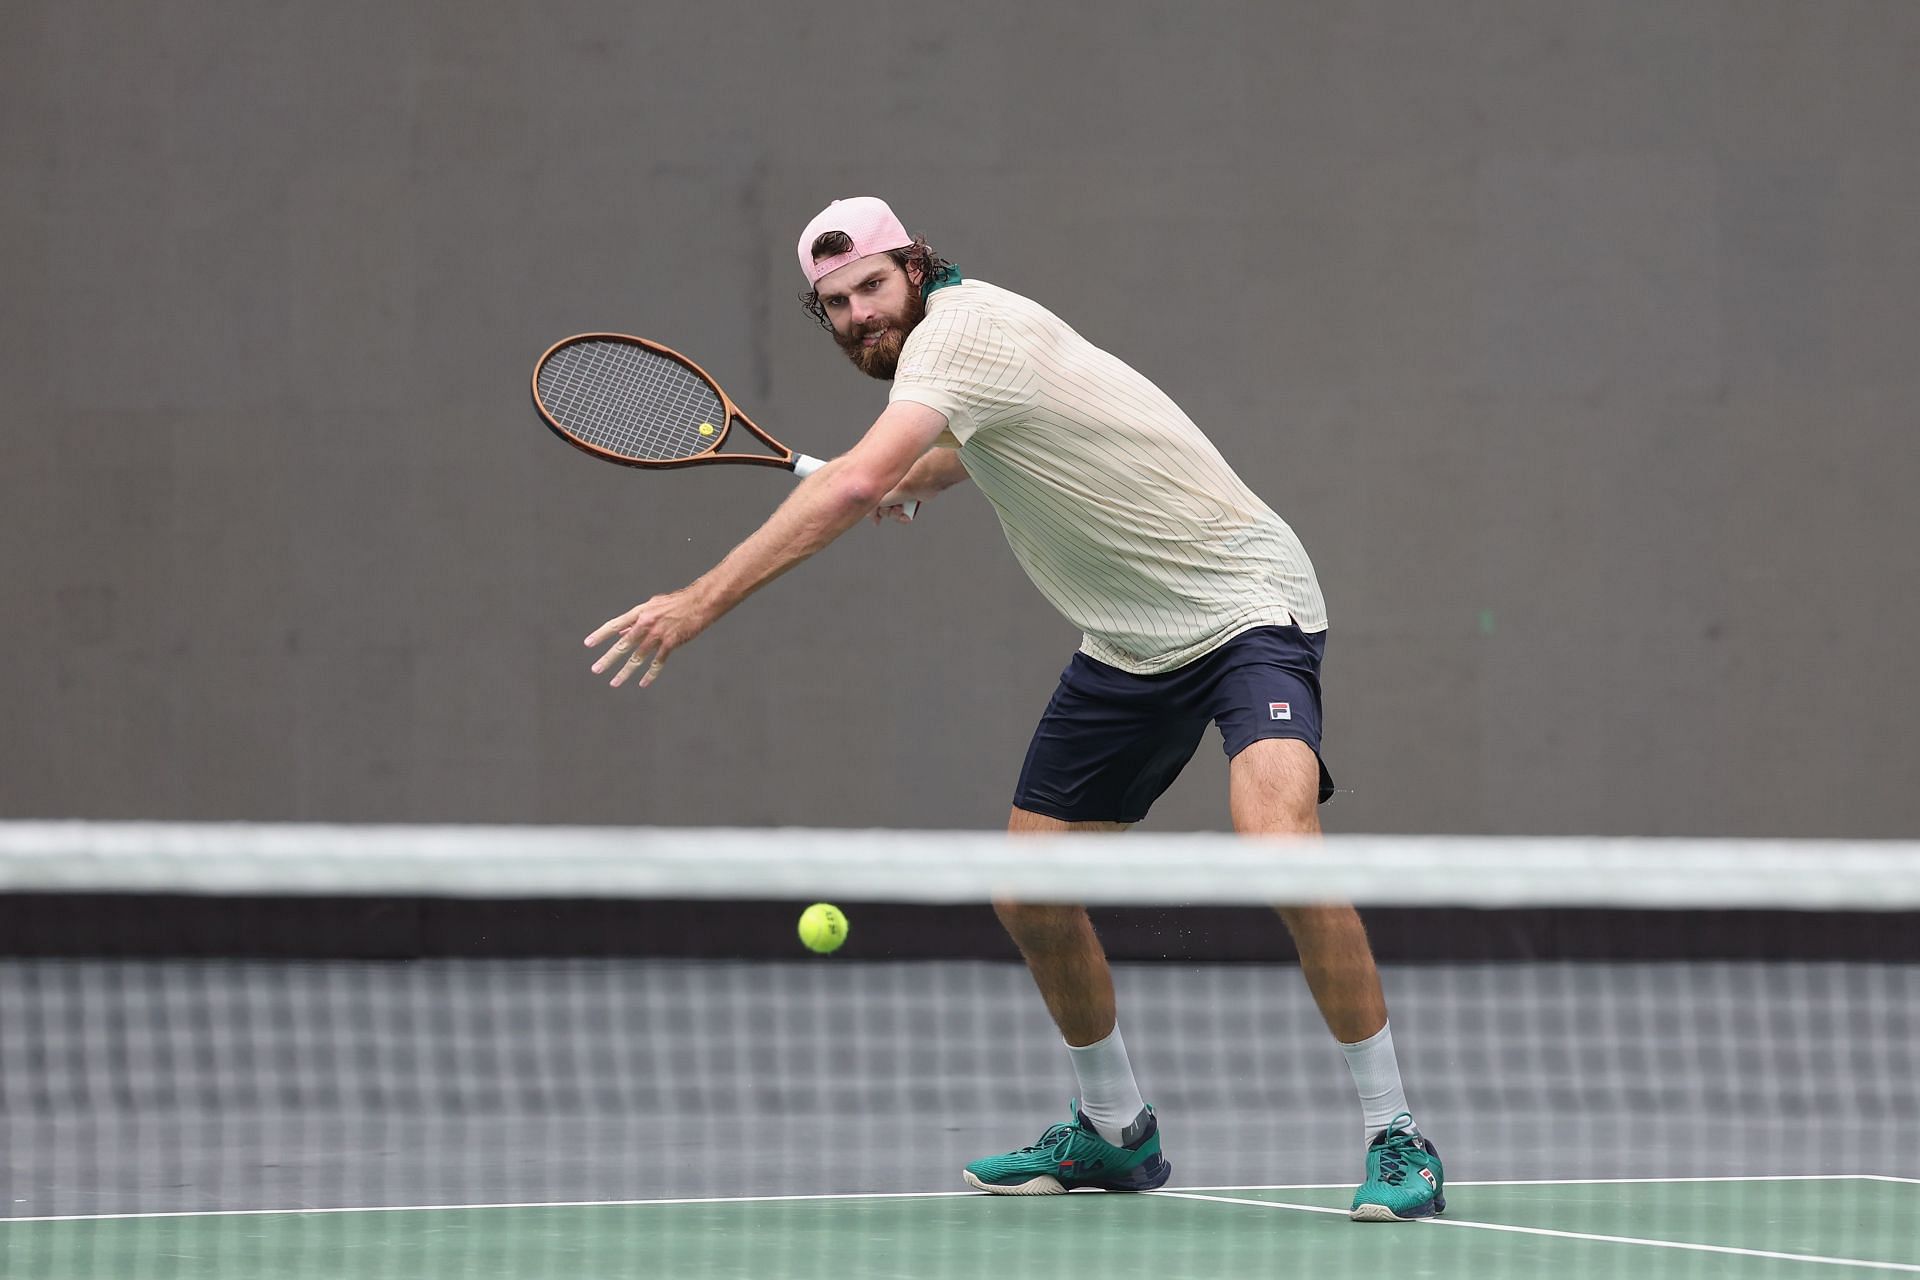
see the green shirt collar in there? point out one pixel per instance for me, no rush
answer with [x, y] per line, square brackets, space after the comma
[950, 276]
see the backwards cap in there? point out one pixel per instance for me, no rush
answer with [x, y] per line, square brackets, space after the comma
[866, 220]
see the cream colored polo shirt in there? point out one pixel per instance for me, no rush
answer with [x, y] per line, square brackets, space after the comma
[1121, 511]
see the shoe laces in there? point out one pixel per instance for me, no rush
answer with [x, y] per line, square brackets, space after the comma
[1053, 1140]
[1395, 1154]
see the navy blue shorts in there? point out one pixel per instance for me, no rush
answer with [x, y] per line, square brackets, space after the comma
[1110, 743]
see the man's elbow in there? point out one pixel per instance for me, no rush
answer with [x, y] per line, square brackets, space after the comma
[858, 490]
[862, 488]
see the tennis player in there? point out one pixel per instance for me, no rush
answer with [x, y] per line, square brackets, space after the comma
[1198, 605]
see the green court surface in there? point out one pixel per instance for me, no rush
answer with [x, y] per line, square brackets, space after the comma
[1763, 1228]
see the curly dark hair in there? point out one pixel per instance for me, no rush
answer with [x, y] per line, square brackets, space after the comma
[930, 264]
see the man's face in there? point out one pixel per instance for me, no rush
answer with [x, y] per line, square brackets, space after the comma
[873, 305]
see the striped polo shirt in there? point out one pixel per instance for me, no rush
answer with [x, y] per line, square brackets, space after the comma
[1118, 507]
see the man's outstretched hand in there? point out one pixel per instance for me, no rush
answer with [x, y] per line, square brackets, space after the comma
[645, 634]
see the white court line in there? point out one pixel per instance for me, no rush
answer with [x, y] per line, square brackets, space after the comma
[1744, 1177]
[524, 1204]
[1584, 1182]
[1186, 1192]
[1821, 1259]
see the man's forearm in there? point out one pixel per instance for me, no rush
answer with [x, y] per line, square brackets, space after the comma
[937, 469]
[826, 504]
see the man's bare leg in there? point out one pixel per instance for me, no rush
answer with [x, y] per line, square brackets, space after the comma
[1275, 790]
[1062, 951]
[1069, 966]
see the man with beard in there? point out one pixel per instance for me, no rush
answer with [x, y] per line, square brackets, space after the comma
[1198, 605]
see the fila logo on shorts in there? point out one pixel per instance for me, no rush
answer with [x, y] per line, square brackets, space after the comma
[1280, 710]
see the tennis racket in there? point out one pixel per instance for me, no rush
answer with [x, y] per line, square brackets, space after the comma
[640, 404]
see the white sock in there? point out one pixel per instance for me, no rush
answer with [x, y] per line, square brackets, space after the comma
[1376, 1074]
[1108, 1095]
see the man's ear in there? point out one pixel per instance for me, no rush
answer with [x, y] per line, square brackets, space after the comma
[915, 276]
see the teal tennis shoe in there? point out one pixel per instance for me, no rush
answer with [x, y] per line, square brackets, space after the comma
[1071, 1155]
[1404, 1178]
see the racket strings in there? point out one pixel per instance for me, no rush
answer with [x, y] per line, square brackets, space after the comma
[631, 401]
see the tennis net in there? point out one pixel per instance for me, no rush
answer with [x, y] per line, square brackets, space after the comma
[313, 1050]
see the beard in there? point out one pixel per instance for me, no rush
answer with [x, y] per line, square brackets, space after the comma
[883, 357]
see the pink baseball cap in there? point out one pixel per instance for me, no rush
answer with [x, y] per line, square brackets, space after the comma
[866, 220]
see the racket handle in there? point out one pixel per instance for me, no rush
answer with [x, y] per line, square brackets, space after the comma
[805, 465]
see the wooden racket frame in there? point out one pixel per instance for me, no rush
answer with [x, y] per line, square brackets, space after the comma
[782, 457]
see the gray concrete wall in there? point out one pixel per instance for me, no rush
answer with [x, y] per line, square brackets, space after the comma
[1577, 340]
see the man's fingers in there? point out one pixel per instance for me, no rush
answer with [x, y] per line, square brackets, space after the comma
[625, 640]
[607, 629]
[634, 647]
[640, 639]
[639, 664]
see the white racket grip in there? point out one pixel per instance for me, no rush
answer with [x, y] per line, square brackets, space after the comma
[805, 465]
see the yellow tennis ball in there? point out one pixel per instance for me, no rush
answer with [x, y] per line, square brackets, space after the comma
[823, 927]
